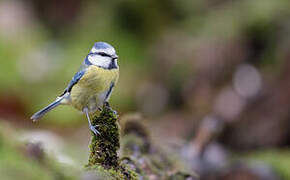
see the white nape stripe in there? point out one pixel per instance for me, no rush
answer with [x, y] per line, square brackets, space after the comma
[94, 50]
[100, 61]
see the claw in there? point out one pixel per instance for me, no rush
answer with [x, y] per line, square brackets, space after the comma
[92, 127]
[95, 131]
[107, 105]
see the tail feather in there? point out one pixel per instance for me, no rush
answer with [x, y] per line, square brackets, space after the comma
[48, 108]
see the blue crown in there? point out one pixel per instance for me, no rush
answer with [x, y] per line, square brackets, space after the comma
[102, 45]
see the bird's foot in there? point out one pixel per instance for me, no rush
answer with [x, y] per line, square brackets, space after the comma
[107, 105]
[94, 129]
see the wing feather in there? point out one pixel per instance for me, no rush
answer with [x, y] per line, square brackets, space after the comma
[74, 80]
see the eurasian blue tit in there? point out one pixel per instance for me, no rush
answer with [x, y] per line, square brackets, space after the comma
[92, 86]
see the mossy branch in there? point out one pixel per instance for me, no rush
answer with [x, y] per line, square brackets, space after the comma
[140, 159]
[103, 157]
[104, 147]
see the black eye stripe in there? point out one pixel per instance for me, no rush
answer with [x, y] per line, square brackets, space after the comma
[103, 54]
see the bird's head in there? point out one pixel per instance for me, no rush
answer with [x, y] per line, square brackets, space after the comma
[103, 55]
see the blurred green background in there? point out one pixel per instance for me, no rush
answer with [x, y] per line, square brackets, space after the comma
[186, 66]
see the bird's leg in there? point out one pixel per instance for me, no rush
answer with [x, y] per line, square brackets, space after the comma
[107, 105]
[92, 128]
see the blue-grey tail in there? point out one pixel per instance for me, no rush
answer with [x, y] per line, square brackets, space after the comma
[45, 110]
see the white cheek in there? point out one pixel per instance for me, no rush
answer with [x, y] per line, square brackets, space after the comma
[100, 60]
[116, 62]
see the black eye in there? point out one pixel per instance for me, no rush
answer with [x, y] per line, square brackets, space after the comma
[103, 54]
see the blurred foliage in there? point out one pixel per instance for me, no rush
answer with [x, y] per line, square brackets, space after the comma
[278, 159]
[181, 63]
[19, 161]
[53, 39]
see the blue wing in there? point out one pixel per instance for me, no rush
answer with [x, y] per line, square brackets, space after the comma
[110, 91]
[74, 80]
[86, 63]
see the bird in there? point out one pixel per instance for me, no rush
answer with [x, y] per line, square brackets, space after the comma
[92, 86]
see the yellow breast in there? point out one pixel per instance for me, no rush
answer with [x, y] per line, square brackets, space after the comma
[95, 81]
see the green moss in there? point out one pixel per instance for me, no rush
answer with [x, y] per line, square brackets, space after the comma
[137, 152]
[103, 147]
[123, 172]
[132, 144]
[103, 158]
[147, 158]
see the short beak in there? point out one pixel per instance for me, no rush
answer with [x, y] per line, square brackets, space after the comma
[115, 56]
